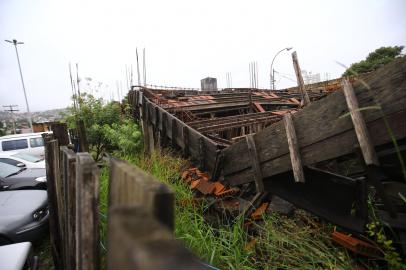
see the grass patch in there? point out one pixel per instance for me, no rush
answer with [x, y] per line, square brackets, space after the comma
[279, 242]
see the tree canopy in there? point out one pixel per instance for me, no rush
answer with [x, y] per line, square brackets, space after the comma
[375, 60]
[106, 127]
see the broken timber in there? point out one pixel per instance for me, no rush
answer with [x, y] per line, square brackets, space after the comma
[323, 130]
[209, 128]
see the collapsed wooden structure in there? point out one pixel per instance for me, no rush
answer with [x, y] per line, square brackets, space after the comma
[237, 136]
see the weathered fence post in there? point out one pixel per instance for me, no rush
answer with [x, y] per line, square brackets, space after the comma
[87, 212]
[69, 182]
[146, 128]
[140, 223]
[53, 179]
[84, 146]
[129, 186]
[60, 131]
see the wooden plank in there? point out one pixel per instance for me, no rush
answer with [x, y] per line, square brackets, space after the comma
[259, 107]
[145, 130]
[138, 241]
[129, 186]
[53, 178]
[69, 164]
[185, 134]
[151, 140]
[360, 127]
[178, 132]
[201, 153]
[83, 144]
[294, 151]
[174, 133]
[299, 78]
[164, 131]
[87, 213]
[60, 131]
[259, 184]
[321, 131]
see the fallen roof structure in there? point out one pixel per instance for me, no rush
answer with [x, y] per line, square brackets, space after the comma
[238, 138]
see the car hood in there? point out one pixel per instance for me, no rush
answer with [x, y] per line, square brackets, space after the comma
[40, 164]
[17, 207]
[35, 165]
[29, 174]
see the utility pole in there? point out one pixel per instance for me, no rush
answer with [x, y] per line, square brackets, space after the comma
[272, 73]
[11, 110]
[15, 43]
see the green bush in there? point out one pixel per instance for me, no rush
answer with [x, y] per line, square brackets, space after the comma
[124, 136]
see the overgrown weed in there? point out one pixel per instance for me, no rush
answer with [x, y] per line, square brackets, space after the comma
[279, 242]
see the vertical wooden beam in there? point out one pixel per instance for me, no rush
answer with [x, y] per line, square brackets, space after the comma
[53, 176]
[164, 132]
[87, 212]
[145, 129]
[131, 186]
[293, 149]
[151, 138]
[185, 133]
[60, 131]
[84, 146]
[69, 164]
[299, 78]
[201, 153]
[157, 129]
[217, 165]
[174, 133]
[256, 166]
[361, 130]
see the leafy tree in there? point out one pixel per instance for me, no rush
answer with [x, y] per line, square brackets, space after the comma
[95, 115]
[375, 60]
[108, 126]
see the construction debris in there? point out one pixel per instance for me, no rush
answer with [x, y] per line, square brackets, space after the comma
[211, 128]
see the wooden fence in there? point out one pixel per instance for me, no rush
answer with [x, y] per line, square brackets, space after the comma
[161, 128]
[140, 215]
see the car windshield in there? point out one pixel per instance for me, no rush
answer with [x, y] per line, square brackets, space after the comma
[8, 170]
[27, 157]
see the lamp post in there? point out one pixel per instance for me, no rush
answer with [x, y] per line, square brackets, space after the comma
[15, 43]
[272, 74]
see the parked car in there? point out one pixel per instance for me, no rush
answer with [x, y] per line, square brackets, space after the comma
[31, 143]
[13, 177]
[22, 160]
[18, 256]
[23, 216]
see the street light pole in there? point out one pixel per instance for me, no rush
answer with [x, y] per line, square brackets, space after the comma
[15, 43]
[272, 73]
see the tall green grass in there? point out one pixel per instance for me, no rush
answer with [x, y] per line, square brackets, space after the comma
[278, 242]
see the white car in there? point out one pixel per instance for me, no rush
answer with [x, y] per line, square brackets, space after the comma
[22, 160]
[30, 143]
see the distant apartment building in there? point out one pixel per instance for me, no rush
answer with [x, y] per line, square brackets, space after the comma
[310, 77]
[209, 83]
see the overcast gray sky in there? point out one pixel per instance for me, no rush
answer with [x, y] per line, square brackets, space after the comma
[185, 41]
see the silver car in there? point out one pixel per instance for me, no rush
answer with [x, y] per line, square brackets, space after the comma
[23, 216]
